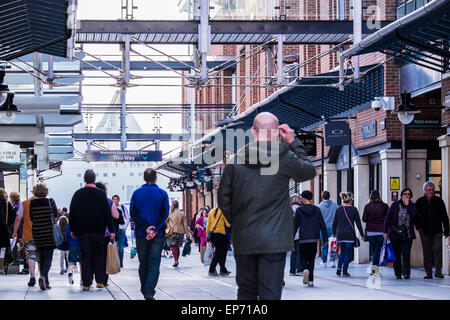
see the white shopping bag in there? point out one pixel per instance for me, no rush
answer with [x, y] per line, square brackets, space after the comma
[209, 253]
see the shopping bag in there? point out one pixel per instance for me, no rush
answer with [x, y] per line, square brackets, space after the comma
[387, 256]
[209, 253]
[333, 248]
[187, 248]
[112, 259]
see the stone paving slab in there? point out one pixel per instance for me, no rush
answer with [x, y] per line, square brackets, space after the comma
[190, 281]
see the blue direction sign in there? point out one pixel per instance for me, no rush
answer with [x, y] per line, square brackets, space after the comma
[119, 155]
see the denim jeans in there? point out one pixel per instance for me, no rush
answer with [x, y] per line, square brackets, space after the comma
[345, 255]
[149, 254]
[376, 242]
[120, 244]
[324, 249]
[260, 276]
[296, 265]
[45, 256]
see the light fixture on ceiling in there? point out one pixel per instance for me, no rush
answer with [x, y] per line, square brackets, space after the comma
[8, 109]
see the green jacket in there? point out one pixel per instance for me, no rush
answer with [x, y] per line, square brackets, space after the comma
[254, 197]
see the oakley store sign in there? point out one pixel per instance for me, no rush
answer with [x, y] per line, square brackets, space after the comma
[337, 133]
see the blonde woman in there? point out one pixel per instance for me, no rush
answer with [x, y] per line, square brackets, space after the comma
[177, 222]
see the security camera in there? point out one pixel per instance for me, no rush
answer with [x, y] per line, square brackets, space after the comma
[377, 105]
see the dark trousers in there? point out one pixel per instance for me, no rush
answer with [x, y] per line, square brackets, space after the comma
[260, 276]
[432, 248]
[296, 264]
[402, 251]
[220, 243]
[149, 254]
[308, 255]
[92, 250]
[376, 243]
[45, 257]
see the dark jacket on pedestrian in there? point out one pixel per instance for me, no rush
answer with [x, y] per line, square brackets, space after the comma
[42, 210]
[432, 216]
[374, 215]
[344, 229]
[310, 220]
[149, 206]
[257, 204]
[90, 212]
[7, 216]
[391, 221]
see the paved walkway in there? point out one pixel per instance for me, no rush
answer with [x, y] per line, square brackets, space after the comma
[190, 282]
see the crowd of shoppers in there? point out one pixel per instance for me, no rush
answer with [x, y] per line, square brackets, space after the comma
[254, 211]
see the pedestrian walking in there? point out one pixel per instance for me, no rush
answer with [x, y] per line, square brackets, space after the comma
[432, 221]
[328, 209]
[117, 220]
[374, 214]
[90, 214]
[43, 213]
[7, 212]
[74, 255]
[24, 233]
[122, 227]
[194, 230]
[149, 209]
[344, 230]
[254, 197]
[4, 234]
[295, 261]
[310, 224]
[217, 224]
[64, 246]
[200, 225]
[399, 228]
[176, 226]
[17, 213]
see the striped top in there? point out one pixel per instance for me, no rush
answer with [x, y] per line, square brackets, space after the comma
[40, 216]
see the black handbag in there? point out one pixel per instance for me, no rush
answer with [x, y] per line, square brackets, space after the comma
[401, 232]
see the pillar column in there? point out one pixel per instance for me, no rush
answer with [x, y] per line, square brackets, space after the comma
[361, 194]
[330, 180]
[415, 177]
[444, 143]
[316, 190]
[391, 166]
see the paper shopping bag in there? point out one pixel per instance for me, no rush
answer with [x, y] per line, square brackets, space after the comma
[112, 259]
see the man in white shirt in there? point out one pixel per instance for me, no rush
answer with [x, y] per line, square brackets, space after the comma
[121, 233]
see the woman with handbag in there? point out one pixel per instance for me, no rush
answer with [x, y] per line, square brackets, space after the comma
[201, 224]
[216, 229]
[399, 228]
[344, 230]
[43, 215]
[374, 215]
[176, 227]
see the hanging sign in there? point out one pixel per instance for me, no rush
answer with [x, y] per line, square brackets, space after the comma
[119, 155]
[337, 133]
[309, 142]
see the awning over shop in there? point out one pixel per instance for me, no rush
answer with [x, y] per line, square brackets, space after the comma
[27, 26]
[314, 99]
[421, 37]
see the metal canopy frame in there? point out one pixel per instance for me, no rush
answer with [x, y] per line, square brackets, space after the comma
[421, 37]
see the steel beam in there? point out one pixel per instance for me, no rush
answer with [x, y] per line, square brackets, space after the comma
[133, 137]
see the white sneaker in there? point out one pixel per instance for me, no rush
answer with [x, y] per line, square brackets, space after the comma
[70, 278]
[323, 264]
[305, 276]
[310, 284]
[333, 264]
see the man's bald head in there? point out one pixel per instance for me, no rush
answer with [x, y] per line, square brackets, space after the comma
[265, 126]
